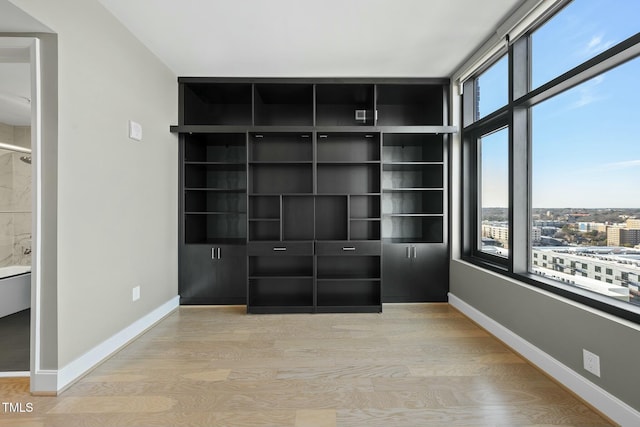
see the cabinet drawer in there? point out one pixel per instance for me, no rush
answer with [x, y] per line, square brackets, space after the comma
[280, 248]
[348, 248]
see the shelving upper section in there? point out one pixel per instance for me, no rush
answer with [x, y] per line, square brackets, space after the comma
[209, 103]
[214, 183]
[414, 188]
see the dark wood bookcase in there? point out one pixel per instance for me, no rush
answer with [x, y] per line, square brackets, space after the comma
[313, 195]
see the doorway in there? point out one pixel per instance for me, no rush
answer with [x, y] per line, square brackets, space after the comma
[18, 116]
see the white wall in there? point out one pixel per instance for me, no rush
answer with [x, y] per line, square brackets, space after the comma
[116, 199]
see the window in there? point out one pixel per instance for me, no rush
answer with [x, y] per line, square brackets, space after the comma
[549, 175]
[579, 32]
[492, 89]
[585, 139]
[494, 193]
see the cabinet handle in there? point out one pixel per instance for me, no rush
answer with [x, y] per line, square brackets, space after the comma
[219, 253]
[279, 248]
[408, 251]
[348, 248]
[213, 253]
[415, 251]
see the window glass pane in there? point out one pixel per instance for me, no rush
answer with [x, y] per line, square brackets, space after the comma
[579, 32]
[494, 193]
[492, 88]
[585, 192]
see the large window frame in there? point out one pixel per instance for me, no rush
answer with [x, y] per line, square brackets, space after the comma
[516, 115]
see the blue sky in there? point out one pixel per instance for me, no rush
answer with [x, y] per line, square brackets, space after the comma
[586, 141]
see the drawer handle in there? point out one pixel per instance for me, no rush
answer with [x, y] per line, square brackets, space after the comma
[348, 248]
[279, 248]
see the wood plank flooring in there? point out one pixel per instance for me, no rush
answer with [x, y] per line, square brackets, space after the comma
[413, 365]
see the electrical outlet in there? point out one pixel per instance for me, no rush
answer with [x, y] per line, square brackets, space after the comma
[591, 362]
[135, 296]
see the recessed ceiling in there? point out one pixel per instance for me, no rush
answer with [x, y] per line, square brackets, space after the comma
[320, 38]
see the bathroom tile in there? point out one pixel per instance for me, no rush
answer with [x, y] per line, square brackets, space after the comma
[22, 136]
[6, 133]
[7, 232]
[22, 238]
[21, 184]
[6, 255]
[6, 181]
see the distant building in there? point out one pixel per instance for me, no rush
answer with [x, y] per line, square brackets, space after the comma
[497, 231]
[617, 236]
[614, 272]
[536, 234]
[633, 223]
[585, 227]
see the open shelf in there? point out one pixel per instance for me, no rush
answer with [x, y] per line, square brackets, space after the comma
[348, 147]
[419, 229]
[267, 230]
[264, 207]
[281, 178]
[348, 178]
[214, 201]
[348, 267]
[331, 218]
[412, 176]
[409, 105]
[281, 292]
[214, 227]
[219, 176]
[298, 218]
[280, 147]
[344, 105]
[364, 229]
[410, 147]
[215, 147]
[281, 267]
[283, 104]
[217, 104]
[364, 207]
[413, 202]
[354, 293]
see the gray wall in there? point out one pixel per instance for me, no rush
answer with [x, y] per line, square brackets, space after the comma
[558, 327]
[115, 214]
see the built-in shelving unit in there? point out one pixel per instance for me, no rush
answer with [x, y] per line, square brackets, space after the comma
[413, 210]
[315, 190]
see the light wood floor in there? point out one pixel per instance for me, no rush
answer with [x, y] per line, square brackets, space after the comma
[413, 365]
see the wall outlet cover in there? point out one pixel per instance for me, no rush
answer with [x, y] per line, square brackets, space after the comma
[135, 130]
[135, 296]
[591, 362]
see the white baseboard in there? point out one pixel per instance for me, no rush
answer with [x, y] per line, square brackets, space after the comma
[44, 382]
[597, 397]
[74, 370]
[15, 374]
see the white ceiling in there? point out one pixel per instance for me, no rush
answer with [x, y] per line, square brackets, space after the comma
[312, 38]
[283, 38]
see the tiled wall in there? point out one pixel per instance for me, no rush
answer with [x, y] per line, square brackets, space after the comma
[15, 202]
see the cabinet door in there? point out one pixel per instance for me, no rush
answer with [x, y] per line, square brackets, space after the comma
[430, 272]
[397, 274]
[414, 272]
[213, 274]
